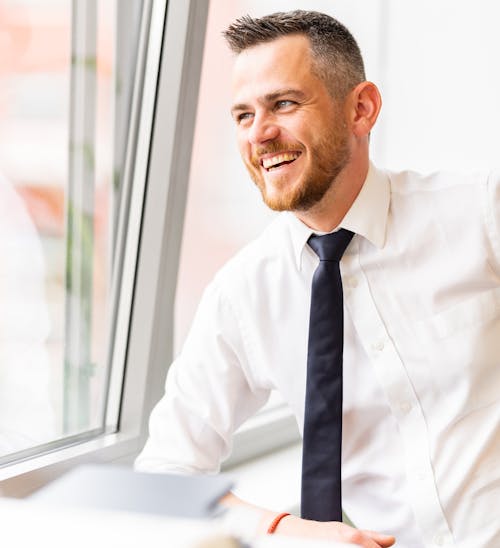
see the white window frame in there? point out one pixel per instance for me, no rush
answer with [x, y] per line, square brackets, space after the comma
[164, 110]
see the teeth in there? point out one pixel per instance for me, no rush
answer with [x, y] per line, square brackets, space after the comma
[280, 158]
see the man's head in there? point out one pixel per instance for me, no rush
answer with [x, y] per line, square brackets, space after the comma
[300, 106]
[336, 56]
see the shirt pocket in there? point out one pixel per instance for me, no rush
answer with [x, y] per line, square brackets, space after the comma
[462, 345]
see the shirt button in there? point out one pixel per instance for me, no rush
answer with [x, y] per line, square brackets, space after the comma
[378, 346]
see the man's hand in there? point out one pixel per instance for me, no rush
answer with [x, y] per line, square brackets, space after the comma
[333, 530]
[329, 530]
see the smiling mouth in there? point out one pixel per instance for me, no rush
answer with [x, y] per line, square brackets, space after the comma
[269, 164]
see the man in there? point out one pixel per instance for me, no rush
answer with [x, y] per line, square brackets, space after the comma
[421, 295]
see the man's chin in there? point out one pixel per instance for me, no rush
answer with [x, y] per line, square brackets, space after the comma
[277, 201]
[277, 196]
[286, 196]
[283, 203]
[275, 206]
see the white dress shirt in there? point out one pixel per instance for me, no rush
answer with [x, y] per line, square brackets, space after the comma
[421, 434]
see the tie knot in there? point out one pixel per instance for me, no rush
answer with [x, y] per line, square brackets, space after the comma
[331, 247]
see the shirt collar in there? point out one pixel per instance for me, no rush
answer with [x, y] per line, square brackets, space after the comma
[366, 217]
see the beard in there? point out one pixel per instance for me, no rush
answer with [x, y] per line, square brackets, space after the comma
[329, 157]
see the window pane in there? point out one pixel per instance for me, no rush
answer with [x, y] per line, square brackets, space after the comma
[66, 77]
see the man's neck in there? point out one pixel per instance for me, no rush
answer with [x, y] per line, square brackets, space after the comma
[328, 213]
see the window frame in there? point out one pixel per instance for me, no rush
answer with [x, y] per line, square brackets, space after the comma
[158, 159]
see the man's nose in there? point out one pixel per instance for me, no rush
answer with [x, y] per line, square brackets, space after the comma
[264, 128]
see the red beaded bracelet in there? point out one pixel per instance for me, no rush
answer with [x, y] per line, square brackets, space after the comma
[276, 521]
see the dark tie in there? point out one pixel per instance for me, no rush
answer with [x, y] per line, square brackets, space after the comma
[321, 455]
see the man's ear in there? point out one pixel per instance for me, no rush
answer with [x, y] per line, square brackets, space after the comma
[363, 104]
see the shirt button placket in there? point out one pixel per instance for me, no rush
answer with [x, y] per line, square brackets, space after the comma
[403, 402]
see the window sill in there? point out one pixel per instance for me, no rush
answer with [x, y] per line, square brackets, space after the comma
[24, 477]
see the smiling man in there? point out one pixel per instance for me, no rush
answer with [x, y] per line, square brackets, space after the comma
[292, 136]
[403, 410]
[292, 127]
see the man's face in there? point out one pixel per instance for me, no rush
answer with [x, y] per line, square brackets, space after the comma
[291, 133]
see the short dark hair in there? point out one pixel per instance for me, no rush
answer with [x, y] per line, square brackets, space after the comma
[337, 59]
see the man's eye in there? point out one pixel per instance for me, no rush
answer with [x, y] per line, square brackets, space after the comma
[243, 116]
[284, 103]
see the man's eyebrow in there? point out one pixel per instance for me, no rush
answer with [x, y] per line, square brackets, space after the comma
[239, 107]
[270, 98]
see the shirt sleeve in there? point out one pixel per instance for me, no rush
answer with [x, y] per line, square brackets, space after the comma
[209, 392]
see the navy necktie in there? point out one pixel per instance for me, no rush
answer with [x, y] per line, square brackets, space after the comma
[321, 498]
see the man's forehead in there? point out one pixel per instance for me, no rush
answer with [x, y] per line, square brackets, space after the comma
[288, 46]
[266, 67]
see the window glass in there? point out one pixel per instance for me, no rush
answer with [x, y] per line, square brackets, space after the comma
[66, 77]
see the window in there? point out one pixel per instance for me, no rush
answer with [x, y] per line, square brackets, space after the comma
[93, 190]
[67, 88]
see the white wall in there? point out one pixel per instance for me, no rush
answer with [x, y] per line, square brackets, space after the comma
[441, 85]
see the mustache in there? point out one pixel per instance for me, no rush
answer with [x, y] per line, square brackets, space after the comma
[273, 148]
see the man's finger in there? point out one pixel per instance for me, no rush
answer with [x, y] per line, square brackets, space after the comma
[383, 540]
